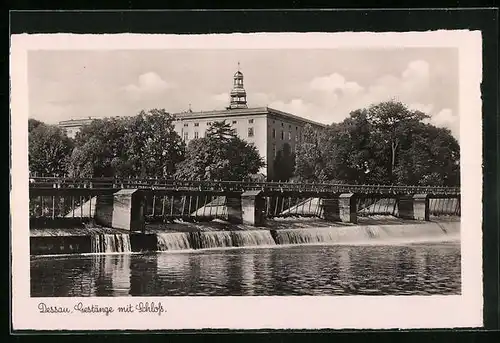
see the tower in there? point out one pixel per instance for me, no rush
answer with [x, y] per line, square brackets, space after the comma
[238, 93]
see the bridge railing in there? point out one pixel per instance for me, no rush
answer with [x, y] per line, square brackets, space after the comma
[156, 183]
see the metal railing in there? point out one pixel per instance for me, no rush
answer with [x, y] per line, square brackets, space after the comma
[194, 185]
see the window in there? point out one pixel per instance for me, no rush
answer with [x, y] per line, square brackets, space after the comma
[186, 136]
[281, 124]
[196, 135]
[250, 132]
[274, 150]
[290, 127]
[274, 133]
[196, 124]
[234, 121]
[186, 125]
[282, 135]
[250, 121]
[289, 135]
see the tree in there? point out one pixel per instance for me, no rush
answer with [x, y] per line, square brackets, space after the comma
[48, 149]
[284, 164]
[33, 124]
[153, 146]
[308, 161]
[145, 145]
[392, 122]
[220, 155]
[383, 144]
[101, 149]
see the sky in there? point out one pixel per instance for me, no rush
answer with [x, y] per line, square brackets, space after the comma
[321, 85]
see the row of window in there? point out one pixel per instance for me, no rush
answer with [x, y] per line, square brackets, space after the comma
[250, 133]
[250, 121]
[283, 135]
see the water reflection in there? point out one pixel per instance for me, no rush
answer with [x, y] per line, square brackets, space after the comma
[295, 270]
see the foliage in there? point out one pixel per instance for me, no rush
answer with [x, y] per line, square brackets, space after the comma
[284, 164]
[220, 155]
[33, 124]
[383, 144]
[145, 145]
[48, 149]
[308, 162]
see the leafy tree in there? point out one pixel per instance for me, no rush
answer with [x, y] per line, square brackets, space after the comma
[383, 144]
[153, 146]
[145, 145]
[48, 150]
[101, 149]
[308, 161]
[220, 155]
[393, 122]
[33, 124]
[284, 164]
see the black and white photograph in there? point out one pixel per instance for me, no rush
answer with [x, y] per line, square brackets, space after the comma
[222, 169]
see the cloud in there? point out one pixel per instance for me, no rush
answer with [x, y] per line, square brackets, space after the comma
[335, 82]
[331, 98]
[148, 84]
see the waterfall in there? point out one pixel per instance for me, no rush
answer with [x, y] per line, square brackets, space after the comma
[217, 239]
[366, 234]
[252, 238]
[173, 241]
[109, 243]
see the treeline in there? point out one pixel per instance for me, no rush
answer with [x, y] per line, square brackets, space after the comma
[145, 145]
[383, 144]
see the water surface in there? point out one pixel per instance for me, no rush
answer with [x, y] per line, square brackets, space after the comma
[410, 269]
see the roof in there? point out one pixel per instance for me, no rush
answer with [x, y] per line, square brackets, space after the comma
[245, 112]
[76, 122]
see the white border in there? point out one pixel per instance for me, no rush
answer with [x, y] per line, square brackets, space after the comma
[356, 312]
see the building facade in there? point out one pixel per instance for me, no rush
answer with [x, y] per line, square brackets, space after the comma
[268, 129]
[73, 126]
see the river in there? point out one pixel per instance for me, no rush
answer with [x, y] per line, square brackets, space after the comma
[391, 269]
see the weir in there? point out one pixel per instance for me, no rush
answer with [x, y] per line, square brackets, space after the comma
[173, 241]
[178, 241]
[110, 243]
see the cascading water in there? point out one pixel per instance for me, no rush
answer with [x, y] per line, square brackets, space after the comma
[252, 238]
[217, 239]
[173, 241]
[360, 234]
[109, 243]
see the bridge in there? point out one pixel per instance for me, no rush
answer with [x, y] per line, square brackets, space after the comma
[110, 200]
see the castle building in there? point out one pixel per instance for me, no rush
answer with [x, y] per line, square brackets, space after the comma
[72, 126]
[268, 129]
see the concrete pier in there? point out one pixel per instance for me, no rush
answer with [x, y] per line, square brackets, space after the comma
[234, 210]
[343, 208]
[421, 207]
[252, 208]
[122, 210]
[415, 207]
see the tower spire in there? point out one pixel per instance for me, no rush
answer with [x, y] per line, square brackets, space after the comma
[238, 93]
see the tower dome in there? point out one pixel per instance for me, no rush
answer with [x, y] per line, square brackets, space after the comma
[238, 93]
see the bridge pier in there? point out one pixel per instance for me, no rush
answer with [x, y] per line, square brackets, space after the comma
[234, 209]
[252, 208]
[121, 210]
[343, 208]
[415, 207]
